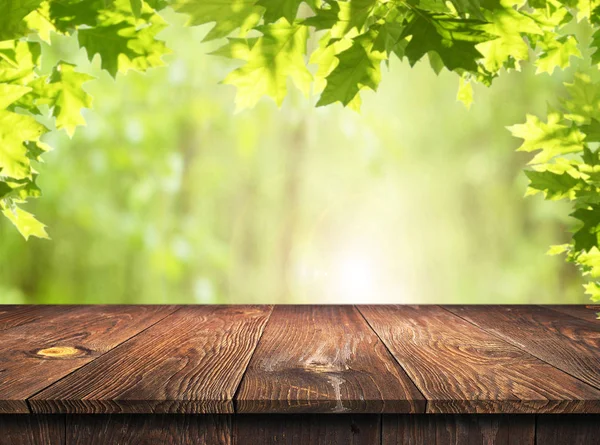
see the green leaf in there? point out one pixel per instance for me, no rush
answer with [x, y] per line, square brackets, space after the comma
[555, 186]
[15, 130]
[593, 290]
[67, 15]
[558, 249]
[12, 13]
[136, 7]
[557, 53]
[18, 60]
[228, 15]
[278, 54]
[509, 25]
[587, 236]
[465, 93]
[11, 93]
[352, 15]
[63, 91]
[471, 7]
[592, 131]
[121, 43]
[359, 67]
[276, 9]
[25, 222]
[551, 138]
[454, 40]
[590, 261]
[583, 102]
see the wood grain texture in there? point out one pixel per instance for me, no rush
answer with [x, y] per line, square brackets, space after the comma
[324, 359]
[34, 355]
[29, 429]
[566, 342]
[191, 362]
[17, 315]
[440, 429]
[150, 429]
[463, 369]
[568, 430]
[585, 312]
[304, 429]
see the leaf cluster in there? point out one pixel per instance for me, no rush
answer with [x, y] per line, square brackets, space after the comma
[120, 32]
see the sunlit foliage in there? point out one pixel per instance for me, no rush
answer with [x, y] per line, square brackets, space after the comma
[334, 49]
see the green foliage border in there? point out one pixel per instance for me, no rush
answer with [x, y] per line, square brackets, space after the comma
[333, 49]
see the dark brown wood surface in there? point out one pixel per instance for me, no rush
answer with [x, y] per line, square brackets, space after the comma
[324, 359]
[568, 430]
[31, 429]
[35, 354]
[191, 362]
[589, 313]
[299, 429]
[293, 429]
[153, 429]
[569, 343]
[299, 359]
[444, 429]
[461, 368]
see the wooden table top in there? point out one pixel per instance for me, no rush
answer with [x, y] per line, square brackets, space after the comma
[299, 359]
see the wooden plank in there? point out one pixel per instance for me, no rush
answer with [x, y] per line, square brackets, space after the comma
[324, 359]
[20, 429]
[302, 429]
[34, 355]
[164, 429]
[458, 429]
[569, 343]
[192, 362]
[568, 430]
[585, 312]
[13, 315]
[463, 369]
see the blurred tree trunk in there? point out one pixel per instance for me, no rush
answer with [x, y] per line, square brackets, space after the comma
[189, 147]
[294, 160]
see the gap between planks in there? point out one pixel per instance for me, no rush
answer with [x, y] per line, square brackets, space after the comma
[27, 400]
[516, 345]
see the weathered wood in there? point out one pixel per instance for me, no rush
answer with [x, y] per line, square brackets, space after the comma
[293, 429]
[568, 430]
[36, 354]
[324, 359]
[569, 343]
[440, 429]
[29, 429]
[191, 362]
[153, 429]
[461, 368]
[12, 315]
[585, 312]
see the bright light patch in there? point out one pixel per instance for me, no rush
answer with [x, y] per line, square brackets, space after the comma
[354, 277]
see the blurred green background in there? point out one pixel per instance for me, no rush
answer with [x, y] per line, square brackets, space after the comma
[168, 196]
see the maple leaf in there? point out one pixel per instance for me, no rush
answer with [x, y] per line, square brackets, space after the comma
[25, 222]
[121, 43]
[551, 138]
[63, 91]
[358, 68]
[276, 9]
[228, 15]
[278, 54]
[12, 13]
[15, 129]
[454, 40]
